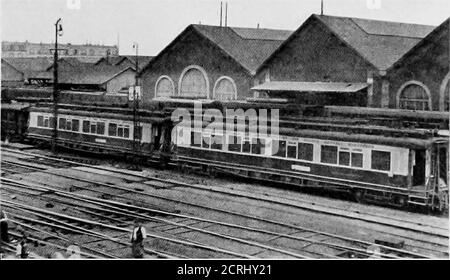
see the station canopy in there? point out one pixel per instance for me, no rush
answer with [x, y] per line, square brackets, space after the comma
[311, 86]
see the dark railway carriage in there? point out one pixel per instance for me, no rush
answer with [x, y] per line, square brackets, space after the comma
[105, 130]
[14, 120]
[392, 170]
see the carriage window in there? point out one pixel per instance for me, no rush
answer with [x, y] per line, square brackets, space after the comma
[62, 123]
[86, 126]
[292, 150]
[234, 143]
[93, 127]
[328, 154]
[40, 121]
[126, 132]
[357, 160]
[68, 125]
[381, 160]
[258, 145]
[196, 139]
[216, 142]
[119, 131]
[246, 146]
[75, 125]
[344, 158]
[206, 141]
[279, 148]
[112, 129]
[101, 128]
[305, 151]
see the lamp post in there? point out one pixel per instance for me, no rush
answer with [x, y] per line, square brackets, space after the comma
[58, 32]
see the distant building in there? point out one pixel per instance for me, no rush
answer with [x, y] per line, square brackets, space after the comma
[18, 71]
[103, 78]
[28, 49]
[326, 53]
[210, 62]
[420, 80]
[125, 60]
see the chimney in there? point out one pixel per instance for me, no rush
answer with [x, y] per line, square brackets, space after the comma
[220, 13]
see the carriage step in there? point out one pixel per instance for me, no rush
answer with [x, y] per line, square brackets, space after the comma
[417, 203]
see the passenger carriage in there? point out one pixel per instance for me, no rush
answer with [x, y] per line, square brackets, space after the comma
[408, 170]
[101, 130]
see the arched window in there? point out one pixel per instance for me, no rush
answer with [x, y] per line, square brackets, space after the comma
[164, 87]
[444, 101]
[193, 82]
[225, 89]
[414, 95]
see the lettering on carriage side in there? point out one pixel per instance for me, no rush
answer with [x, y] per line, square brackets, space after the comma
[100, 140]
[301, 168]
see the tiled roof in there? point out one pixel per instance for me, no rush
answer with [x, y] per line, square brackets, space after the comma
[248, 46]
[114, 60]
[381, 43]
[29, 66]
[92, 75]
[430, 39]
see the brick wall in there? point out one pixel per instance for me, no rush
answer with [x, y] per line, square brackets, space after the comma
[193, 49]
[428, 65]
[315, 54]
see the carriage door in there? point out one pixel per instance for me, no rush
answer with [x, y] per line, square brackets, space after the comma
[419, 168]
[443, 162]
[156, 134]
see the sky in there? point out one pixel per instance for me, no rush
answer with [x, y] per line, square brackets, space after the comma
[155, 23]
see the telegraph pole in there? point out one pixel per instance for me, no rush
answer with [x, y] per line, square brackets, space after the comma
[136, 121]
[58, 28]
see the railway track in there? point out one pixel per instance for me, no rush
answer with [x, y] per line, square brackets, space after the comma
[361, 250]
[107, 207]
[326, 209]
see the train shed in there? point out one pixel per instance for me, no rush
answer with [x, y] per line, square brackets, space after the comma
[330, 49]
[210, 62]
[420, 79]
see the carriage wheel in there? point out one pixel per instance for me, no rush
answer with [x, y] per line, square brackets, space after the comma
[400, 201]
[360, 196]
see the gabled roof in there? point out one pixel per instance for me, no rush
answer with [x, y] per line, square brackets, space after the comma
[249, 47]
[381, 43]
[29, 65]
[143, 60]
[430, 39]
[90, 75]
[65, 62]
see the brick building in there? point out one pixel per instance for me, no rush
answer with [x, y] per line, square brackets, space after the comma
[88, 52]
[420, 79]
[110, 79]
[327, 52]
[210, 62]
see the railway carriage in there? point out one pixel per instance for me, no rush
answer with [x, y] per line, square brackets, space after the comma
[394, 170]
[109, 131]
[14, 120]
[375, 163]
